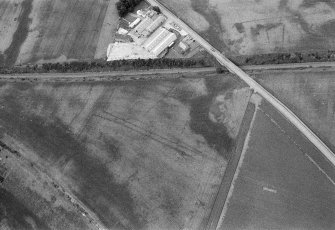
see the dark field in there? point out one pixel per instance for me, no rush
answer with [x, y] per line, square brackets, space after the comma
[278, 186]
[28, 200]
[55, 30]
[15, 215]
[140, 155]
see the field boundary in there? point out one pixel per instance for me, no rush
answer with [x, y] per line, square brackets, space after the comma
[227, 180]
[154, 74]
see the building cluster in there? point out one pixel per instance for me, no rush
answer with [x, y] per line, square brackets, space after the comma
[149, 35]
[158, 37]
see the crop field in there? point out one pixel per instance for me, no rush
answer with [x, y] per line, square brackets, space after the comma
[249, 27]
[277, 185]
[140, 155]
[55, 30]
[311, 95]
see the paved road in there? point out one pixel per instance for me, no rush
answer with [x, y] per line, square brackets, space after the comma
[323, 148]
[102, 76]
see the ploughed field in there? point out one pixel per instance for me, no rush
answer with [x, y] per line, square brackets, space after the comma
[139, 154]
[311, 95]
[55, 30]
[249, 27]
[282, 181]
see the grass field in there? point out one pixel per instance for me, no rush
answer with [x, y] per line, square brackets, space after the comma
[277, 185]
[249, 27]
[55, 30]
[141, 155]
[311, 95]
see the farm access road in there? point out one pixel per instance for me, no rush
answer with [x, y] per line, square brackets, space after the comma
[287, 113]
[108, 76]
[292, 67]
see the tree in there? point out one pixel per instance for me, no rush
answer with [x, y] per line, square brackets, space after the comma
[125, 6]
[157, 9]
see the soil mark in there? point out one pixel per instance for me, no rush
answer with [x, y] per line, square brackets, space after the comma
[215, 134]
[213, 34]
[20, 35]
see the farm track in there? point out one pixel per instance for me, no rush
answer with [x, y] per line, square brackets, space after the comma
[110, 76]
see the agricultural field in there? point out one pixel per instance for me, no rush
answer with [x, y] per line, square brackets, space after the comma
[138, 154]
[250, 27]
[29, 201]
[277, 185]
[55, 30]
[311, 95]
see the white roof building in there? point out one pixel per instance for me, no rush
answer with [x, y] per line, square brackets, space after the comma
[159, 41]
[155, 39]
[135, 23]
[143, 25]
[183, 46]
[122, 31]
[155, 24]
[140, 13]
[167, 41]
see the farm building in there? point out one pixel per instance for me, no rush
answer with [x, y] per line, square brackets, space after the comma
[167, 42]
[159, 41]
[141, 13]
[154, 25]
[135, 23]
[143, 25]
[155, 38]
[184, 47]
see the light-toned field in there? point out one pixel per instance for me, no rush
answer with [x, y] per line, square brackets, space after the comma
[309, 94]
[277, 186]
[56, 30]
[142, 154]
[248, 27]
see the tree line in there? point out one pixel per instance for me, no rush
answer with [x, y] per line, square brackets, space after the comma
[285, 58]
[104, 66]
[125, 6]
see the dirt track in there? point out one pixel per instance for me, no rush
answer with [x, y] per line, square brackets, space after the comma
[110, 76]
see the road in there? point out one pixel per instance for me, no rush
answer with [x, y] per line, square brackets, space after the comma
[287, 113]
[106, 76]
